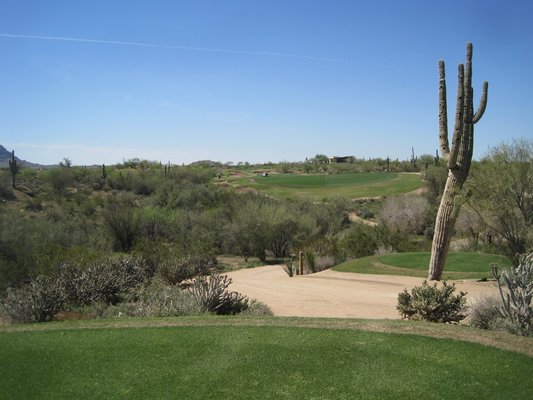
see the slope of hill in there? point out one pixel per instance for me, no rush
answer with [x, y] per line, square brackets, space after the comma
[5, 156]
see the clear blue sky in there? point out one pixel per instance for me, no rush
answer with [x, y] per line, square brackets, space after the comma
[247, 80]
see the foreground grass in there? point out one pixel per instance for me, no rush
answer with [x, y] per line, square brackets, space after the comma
[318, 187]
[241, 358]
[458, 266]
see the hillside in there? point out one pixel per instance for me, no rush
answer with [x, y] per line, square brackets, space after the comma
[5, 156]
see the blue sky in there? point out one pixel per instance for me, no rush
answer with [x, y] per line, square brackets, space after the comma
[249, 80]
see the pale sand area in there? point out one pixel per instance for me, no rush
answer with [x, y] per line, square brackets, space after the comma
[335, 294]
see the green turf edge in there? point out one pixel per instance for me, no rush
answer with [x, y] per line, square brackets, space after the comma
[398, 183]
[501, 340]
[455, 269]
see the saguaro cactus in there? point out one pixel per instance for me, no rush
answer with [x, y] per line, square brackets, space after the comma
[14, 168]
[458, 158]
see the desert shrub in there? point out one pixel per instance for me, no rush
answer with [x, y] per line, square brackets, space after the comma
[516, 299]
[282, 233]
[37, 301]
[324, 262]
[257, 309]
[434, 182]
[155, 300]
[121, 179]
[110, 281]
[289, 267]
[310, 261]
[177, 270]
[61, 178]
[6, 190]
[32, 245]
[484, 313]
[431, 303]
[360, 240]
[405, 214]
[211, 295]
[123, 222]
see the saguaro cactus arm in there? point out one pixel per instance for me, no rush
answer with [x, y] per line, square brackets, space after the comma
[458, 126]
[443, 112]
[482, 104]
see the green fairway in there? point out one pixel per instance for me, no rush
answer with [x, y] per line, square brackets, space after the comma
[458, 266]
[253, 362]
[317, 187]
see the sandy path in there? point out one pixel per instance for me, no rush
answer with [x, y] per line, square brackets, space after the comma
[333, 294]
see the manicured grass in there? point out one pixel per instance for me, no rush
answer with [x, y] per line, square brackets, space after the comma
[253, 362]
[458, 266]
[317, 187]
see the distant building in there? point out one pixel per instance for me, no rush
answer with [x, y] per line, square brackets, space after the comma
[340, 160]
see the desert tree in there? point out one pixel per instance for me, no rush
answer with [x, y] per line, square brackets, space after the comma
[502, 194]
[405, 214]
[458, 157]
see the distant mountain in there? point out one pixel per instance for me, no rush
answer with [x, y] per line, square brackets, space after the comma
[5, 156]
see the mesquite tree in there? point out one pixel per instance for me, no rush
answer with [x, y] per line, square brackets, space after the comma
[458, 158]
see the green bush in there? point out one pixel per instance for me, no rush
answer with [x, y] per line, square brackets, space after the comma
[211, 295]
[360, 240]
[431, 303]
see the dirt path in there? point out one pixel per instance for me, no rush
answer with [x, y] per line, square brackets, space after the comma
[334, 294]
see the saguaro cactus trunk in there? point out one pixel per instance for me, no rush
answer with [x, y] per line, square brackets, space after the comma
[458, 158]
[14, 169]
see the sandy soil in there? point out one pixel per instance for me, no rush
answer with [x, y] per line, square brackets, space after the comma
[334, 294]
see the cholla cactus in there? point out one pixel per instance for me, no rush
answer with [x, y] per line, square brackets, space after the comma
[516, 301]
[14, 168]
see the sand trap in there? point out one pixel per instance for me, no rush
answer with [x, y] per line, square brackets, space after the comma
[334, 294]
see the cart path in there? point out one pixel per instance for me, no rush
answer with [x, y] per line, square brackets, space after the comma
[334, 294]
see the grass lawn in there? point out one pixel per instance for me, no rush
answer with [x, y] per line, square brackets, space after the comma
[318, 187]
[458, 266]
[251, 361]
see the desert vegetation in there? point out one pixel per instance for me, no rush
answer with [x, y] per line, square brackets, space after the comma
[178, 220]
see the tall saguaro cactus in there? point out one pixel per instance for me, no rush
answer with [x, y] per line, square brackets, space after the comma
[458, 158]
[13, 168]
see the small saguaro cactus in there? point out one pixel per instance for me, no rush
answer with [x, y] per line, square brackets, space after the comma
[13, 168]
[104, 173]
[458, 158]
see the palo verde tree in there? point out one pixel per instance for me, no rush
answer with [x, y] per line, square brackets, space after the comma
[458, 158]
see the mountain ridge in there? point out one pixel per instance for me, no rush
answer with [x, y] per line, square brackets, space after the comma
[5, 156]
